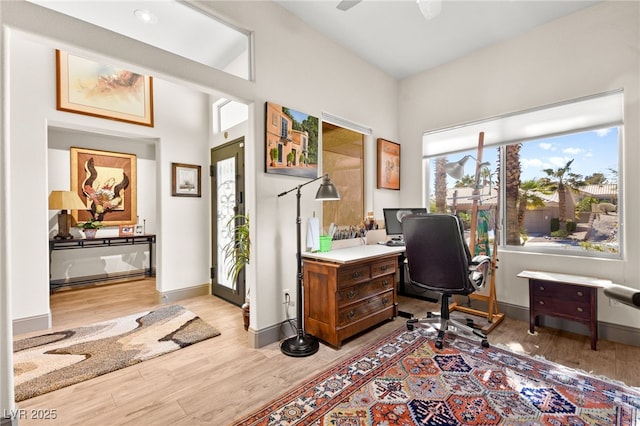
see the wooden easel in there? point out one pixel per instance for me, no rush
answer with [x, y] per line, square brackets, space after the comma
[492, 315]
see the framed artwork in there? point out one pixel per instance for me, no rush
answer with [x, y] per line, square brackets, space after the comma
[126, 230]
[291, 142]
[185, 180]
[388, 164]
[92, 88]
[106, 183]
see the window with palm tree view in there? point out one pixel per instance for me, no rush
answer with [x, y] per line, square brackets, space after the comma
[556, 194]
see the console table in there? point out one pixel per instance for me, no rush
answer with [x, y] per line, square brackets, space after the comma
[349, 290]
[101, 242]
[571, 297]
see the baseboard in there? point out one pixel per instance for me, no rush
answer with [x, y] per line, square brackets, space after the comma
[8, 421]
[30, 324]
[266, 336]
[88, 280]
[184, 293]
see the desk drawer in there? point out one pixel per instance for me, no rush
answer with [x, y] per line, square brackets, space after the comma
[576, 310]
[384, 267]
[351, 276]
[356, 312]
[359, 292]
[564, 292]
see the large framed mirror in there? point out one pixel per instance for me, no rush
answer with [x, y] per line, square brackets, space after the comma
[343, 159]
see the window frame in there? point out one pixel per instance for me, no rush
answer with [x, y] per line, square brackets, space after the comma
[460, 150]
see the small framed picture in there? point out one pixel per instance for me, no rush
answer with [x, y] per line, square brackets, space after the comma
[185, 180]
[126, 230]
[139, 230]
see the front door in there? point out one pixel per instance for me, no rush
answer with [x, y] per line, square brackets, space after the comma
[227, 195]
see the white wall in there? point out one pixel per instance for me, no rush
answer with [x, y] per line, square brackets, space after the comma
[181, 135]
[592, 51]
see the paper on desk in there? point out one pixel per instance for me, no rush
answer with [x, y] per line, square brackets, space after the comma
[313, 234]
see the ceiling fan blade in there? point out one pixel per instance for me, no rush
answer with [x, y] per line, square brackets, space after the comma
[347, 4]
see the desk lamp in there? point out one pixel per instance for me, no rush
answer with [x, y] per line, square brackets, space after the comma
[63, 201]
[303, 344]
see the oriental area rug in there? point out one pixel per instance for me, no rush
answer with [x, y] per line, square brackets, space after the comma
[52, 361]
[404, 380]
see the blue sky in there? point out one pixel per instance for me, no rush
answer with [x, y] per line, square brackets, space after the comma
[593, 151]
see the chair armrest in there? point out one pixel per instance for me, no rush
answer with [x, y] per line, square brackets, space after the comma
[479, 270]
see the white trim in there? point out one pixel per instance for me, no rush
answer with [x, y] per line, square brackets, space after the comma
[339, 121]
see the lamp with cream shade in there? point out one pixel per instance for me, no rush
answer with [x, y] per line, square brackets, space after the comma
[64, 201]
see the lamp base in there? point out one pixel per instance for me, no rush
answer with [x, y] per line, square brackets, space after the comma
[300, 346]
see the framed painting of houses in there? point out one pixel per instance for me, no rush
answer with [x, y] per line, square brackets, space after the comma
[106, 183]
[291, 142]
[92, 88]
[388, 164]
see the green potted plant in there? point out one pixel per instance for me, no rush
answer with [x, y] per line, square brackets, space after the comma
[237, 253]
[90, 227]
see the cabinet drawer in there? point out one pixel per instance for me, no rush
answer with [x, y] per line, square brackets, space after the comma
[563, 292]
[359, 292]
[351, 276]
[384, 267]
[577, 310]
[353, 313]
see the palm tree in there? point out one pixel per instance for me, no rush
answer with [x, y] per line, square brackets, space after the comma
[529, 198]
[441, 185]
[512, 193]
[466, 181]
[558, 180]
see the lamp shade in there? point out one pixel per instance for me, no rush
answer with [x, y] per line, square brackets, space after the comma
[327, 190]
[455, 169]
[65, 200]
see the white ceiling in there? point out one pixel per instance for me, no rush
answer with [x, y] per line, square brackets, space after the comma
[394, 36]
[391, 34]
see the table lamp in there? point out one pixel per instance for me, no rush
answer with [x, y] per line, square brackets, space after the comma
[63, 201]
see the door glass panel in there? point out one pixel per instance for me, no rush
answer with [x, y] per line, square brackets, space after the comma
[226, 178]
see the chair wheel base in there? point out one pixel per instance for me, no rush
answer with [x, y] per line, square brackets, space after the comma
[409, 327]
[439, 344]
[485, 343]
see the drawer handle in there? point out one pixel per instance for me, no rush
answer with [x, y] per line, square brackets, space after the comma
[355, 275]
[580, 293]
[542, 302]
[383, 268]
[541, 288]
[385, 301]
[579, 309]
[351, 294]
[351, 314]
[385, 283]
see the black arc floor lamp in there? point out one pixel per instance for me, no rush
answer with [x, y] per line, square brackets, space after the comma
[303, 344]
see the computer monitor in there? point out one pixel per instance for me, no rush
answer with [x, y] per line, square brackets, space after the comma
[393, 219]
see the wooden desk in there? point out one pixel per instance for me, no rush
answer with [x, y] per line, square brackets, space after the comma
[571, 297]
[82, 243]
[349, 290]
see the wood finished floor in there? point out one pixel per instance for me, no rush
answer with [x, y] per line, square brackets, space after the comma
[219, 380]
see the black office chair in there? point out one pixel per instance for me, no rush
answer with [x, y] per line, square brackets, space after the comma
[439, 260]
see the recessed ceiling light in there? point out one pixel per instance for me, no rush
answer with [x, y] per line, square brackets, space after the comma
[145, 16]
